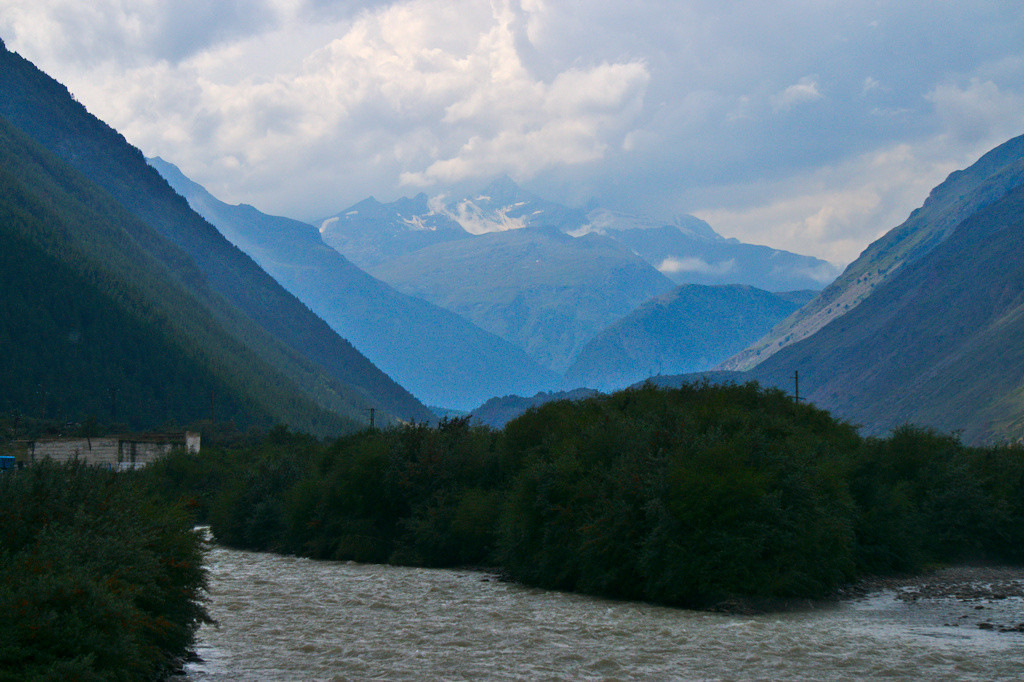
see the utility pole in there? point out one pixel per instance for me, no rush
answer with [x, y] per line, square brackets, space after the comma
[371, 411]
[112, 392]
[796, 386]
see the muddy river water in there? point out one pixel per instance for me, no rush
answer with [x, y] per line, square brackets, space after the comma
[286, 618]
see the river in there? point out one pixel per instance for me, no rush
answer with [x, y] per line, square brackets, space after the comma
[287, 618]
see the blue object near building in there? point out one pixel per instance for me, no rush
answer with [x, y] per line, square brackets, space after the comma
[7, 462]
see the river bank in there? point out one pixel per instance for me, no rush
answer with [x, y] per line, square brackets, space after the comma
[984, 597]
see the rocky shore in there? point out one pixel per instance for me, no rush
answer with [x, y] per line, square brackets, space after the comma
[986, 597]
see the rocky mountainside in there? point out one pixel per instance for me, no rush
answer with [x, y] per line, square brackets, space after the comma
[258, 316]
[938, 343]
[960, 196]
[439, 356]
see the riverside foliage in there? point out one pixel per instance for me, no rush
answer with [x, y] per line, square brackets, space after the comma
[686, 496]
[96, 581]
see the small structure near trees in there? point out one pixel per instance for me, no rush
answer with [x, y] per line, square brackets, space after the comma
[117, 452]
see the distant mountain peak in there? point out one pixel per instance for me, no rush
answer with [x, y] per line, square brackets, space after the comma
[503, 186]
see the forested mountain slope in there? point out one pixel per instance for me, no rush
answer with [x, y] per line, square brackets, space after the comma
[93, 324]
[261, 315]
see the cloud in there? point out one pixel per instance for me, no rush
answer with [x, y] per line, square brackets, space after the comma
[787, 123]
[844, 207]
[980, 111]
[129, 32]
[803, 92]
[693, 264]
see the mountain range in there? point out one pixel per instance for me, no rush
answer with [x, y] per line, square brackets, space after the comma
[443, 358]
[119, 300]
[437, 355]
[924, 328]
[689, 329]
[546, 277]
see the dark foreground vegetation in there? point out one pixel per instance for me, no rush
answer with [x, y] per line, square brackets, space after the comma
[98, 581]
[688, 496]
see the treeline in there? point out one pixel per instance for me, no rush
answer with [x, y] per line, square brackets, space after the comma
[97, 582]
[687, 496]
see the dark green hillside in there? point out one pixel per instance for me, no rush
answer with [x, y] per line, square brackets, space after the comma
[938, 345]
[93, 325]
[690, 329]
[258, 312]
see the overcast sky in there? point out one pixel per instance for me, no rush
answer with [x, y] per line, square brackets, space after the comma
[813, 126]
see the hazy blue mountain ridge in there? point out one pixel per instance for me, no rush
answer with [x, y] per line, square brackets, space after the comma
[689, 251]
[440, 357]
[689, 329]
[370, 233]
[544, 276]
[544, 291]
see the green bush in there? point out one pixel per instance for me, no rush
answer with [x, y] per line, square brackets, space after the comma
[682, 497]
[96, 582]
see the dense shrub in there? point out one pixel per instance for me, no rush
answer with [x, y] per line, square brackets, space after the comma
[683, 496]
[96, 582]
[926, 498]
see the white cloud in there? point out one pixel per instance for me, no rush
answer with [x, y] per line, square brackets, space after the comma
[839, 208]
[979, 112]
[788, 123]
[693, 264]
[420, 92]
[802, 92]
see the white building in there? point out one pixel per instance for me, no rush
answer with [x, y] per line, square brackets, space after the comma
[130, 451]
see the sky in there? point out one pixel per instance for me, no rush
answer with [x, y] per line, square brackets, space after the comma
[813, 126]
